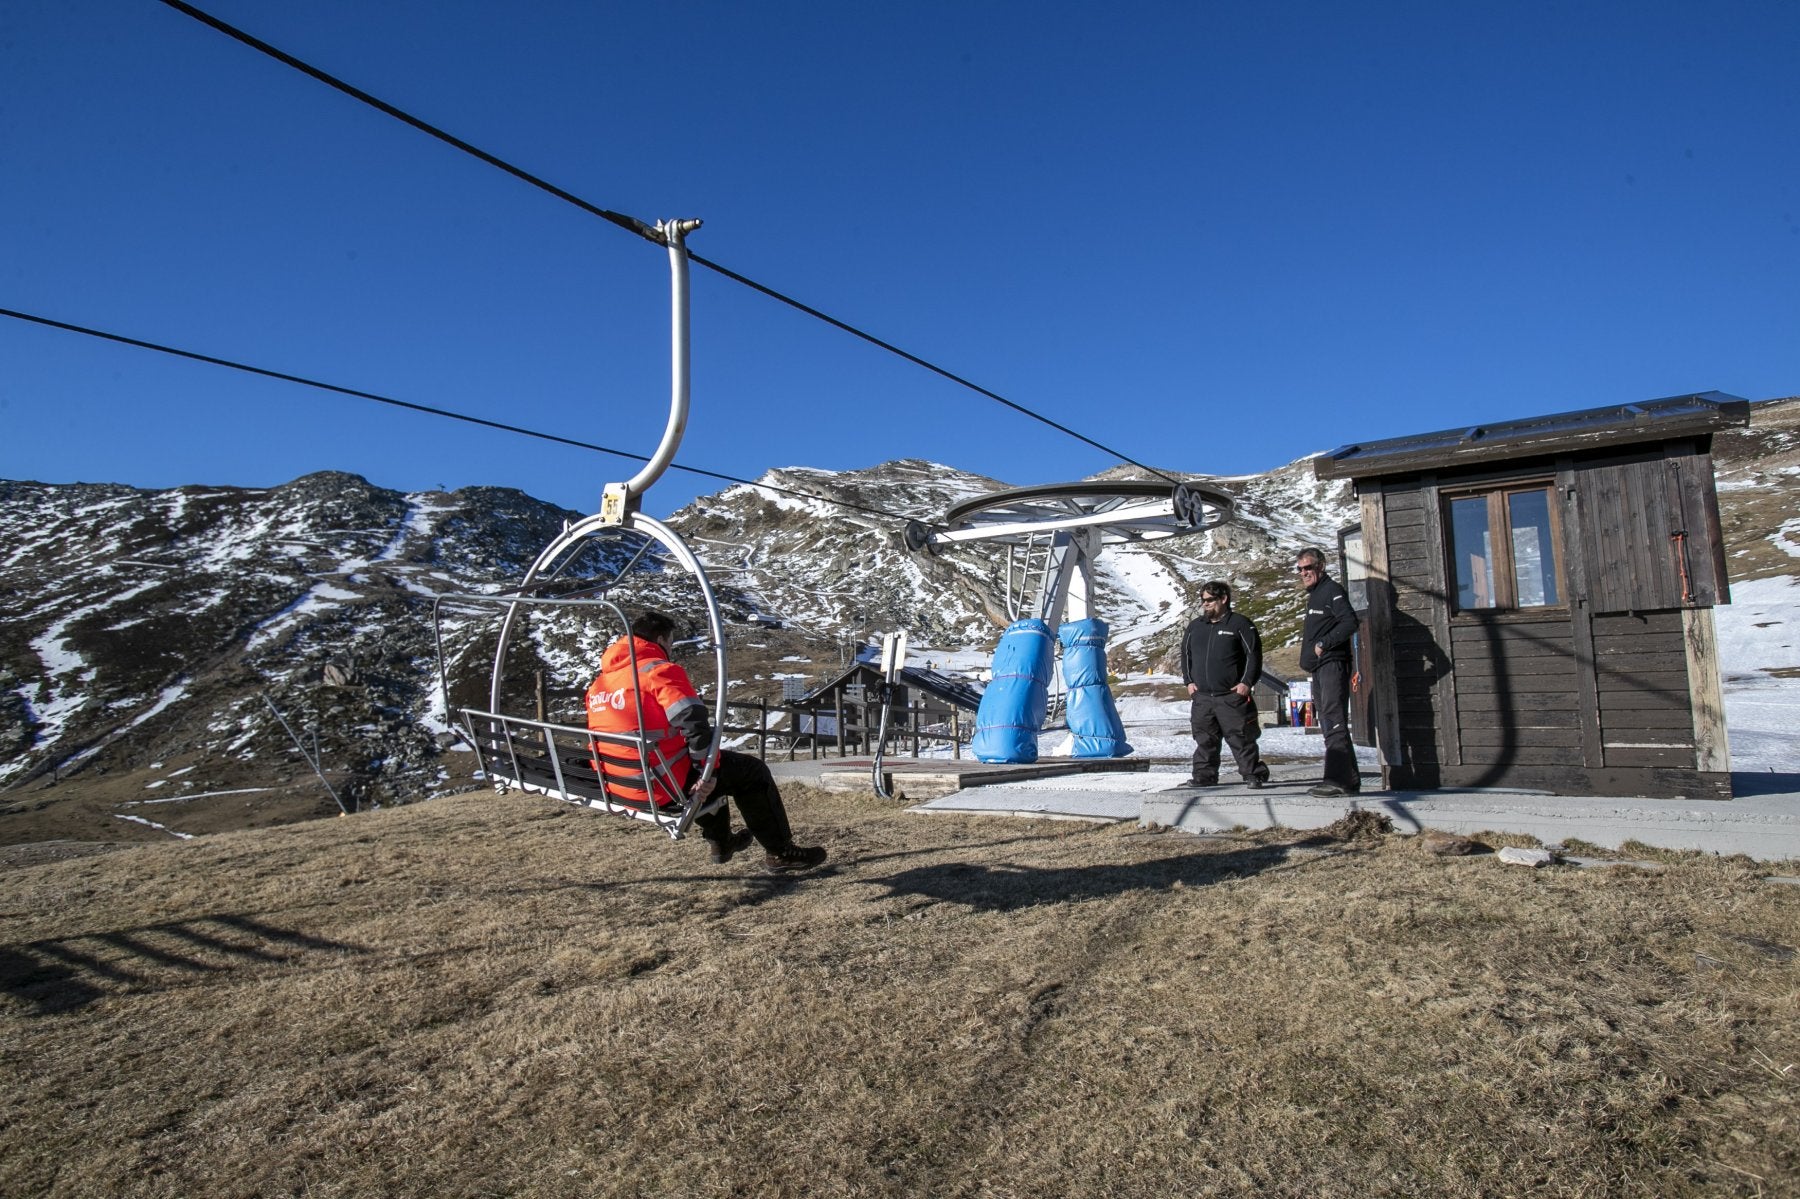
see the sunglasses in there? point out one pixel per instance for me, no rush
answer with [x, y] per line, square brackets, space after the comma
[1308, 570]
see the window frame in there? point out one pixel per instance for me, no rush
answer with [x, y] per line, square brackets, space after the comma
[1499, 526]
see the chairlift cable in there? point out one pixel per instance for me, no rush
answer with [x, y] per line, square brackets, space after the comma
[630, 224]
[930, 366]
[433, 411]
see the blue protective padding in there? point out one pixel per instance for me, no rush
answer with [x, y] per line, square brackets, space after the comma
[1012, 707]
[1093, 719]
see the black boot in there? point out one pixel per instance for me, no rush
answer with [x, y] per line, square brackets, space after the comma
[722, 851]
[795, 858]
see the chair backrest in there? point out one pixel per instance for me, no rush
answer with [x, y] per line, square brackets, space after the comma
[564, 762]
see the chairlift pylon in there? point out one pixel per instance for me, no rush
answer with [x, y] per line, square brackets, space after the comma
[1059, 529]
[535, 754]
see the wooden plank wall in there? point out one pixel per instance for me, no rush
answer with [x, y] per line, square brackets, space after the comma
[1696, 498]
[1419, 664]
[1517, 692]
[1712, 750]
[1630, 510]
[1576, 570]
[1646, 707]
[1384, 714]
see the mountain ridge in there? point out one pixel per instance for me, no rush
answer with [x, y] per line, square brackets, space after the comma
[145, 628]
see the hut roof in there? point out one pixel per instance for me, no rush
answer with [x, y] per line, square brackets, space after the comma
[1559, 433]
[956, 692]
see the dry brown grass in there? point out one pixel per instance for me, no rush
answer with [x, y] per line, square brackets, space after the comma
[482, 996]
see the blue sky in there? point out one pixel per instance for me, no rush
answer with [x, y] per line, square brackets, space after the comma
[1214, 237]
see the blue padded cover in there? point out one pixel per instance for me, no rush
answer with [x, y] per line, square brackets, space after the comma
[1012, 707]
[1093, 719]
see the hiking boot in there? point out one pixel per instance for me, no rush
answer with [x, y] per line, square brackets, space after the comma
[1256, 782]
[795, 858]
[722, 851]
[1201, 783]
[1327, 791]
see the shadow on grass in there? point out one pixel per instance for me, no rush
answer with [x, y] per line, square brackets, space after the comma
[67, 973]
[763, 884]
[1009, 888]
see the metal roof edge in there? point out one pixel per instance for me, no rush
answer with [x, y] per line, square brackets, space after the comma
[1614, 424]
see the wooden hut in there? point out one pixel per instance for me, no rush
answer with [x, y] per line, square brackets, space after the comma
[1540, 599]
[1271, 692]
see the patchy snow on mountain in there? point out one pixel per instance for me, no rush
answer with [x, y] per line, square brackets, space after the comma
[143, 626]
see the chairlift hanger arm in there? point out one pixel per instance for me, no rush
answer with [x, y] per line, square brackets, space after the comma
[619, 515]
[674, 234]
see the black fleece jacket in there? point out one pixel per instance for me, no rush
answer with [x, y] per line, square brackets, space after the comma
[1215, 657]
[1330, 622]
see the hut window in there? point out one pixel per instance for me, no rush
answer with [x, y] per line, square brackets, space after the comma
[1503, 549]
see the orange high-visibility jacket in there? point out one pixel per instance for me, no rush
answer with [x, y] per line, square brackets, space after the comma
[675, 718]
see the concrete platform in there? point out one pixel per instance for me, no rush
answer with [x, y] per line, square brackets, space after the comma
[1762, 822]
[929, 778]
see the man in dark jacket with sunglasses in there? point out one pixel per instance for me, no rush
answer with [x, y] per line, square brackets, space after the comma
[1325, 651]
[1221, 659]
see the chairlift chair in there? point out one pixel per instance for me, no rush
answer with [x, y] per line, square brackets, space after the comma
[538, 755]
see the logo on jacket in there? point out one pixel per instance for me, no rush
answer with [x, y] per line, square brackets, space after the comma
[607, 699]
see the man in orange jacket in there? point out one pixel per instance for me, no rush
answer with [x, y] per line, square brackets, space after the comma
[675, 718]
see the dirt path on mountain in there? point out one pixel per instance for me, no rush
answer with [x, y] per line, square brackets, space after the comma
[482, 996]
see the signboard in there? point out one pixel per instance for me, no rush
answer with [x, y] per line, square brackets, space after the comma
[893, 655]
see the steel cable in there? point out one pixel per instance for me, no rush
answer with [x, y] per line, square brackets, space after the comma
[630, 224]
[433, 411]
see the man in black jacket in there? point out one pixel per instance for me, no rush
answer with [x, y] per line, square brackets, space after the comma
[1325, 651]
[1221, 659]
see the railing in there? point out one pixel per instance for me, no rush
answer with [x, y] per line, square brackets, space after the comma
[852, 725]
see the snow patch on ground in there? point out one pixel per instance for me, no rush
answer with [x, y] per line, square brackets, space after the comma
[1787, 537]
[163, 828]
[1759, 633]
[66, 673]
[319, 598]
[134, 803]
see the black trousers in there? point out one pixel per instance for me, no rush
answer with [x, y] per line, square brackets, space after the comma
[746, 779]
[1331, 699]
[1233, 719]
